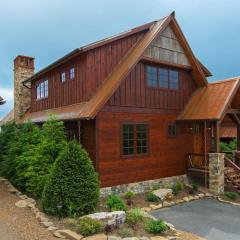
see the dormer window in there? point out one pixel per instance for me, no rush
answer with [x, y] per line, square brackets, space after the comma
[42, 90]
[72, 73]
[159, 77]
[63, 77]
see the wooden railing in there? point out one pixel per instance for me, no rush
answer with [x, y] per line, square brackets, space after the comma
[197, 161]
[234, 156]
[230, 163]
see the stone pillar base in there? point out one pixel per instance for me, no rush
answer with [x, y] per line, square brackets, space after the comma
[216, 173]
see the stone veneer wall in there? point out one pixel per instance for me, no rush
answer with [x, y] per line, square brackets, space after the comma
[145, 186]
[216, 173]
[23, 69]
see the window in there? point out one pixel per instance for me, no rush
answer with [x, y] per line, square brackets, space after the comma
[172, 130]
[72, 73]
[162, 77]
[63, 77]
[134, 139]
[42, 90]
[152, 76]
[173, 79]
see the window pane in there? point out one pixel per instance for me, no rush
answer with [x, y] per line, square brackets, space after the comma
[173, 79]
[72, 73]
[38, 92]
[128, 139]
[46, 88]
[172, 130]
[163, 77]
[63, 77]
[141, 141]
[152, 76]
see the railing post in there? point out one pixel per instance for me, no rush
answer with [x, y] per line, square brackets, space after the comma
[216, 173]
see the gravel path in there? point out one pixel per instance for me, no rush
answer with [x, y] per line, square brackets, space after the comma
[18, 223]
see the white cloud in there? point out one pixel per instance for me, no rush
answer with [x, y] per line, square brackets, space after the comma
[6, 93]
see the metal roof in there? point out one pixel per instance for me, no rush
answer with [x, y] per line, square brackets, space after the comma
[210, 102]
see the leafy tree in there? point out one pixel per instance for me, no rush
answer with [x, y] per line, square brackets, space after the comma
[231, 146]
[41, 160]
[73, 186]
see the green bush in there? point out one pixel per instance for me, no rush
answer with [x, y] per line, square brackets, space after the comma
[115, 203]
[231, 195]
[231, 146]
[177, 187]
[73, 184]
[151, 197]
[156, 226]
[134, 216]
[87, 226]
[129, 195]
[124, 232]
[52, 141]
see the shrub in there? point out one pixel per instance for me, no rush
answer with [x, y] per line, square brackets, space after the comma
[134, 216]
[231, 195]
[129, 195]
[124, 232]
[115, 203]
[87, 226]
[45, 154]
[73, 184]
[156, 226]
[151, 197]
[177, 187]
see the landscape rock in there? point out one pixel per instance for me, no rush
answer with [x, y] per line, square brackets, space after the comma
[201, 195]
[166, 204]
[114, 238]
[158, 238]
[22, 196]
[186, 199]
[58, 235]
[163, 193]
[47, 224]
[21, 204]
[130, 238]
[100, 236]
[115, 218]
[30, 200]
[12, 190]
[146, 209]
[144, 238]
[52, 228]
[69, 234]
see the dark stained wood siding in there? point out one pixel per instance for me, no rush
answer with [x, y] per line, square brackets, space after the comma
[166, 157]
[91, 68]
[134, 91]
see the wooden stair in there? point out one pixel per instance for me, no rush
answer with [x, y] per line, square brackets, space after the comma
[232, 175]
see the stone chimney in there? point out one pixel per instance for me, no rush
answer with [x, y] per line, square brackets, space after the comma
[23, 69]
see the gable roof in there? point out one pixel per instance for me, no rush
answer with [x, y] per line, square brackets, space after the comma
[210, 103]
[8, 118]
[90, 109]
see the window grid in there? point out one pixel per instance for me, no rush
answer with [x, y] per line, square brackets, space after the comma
[72, 73]
[172, 130]
[63, 77]
[42, 90]
[162, 78]
[134, 139]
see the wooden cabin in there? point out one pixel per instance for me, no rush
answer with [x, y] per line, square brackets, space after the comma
[139, 102]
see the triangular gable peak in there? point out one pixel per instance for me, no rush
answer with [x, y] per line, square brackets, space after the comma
[167, 48]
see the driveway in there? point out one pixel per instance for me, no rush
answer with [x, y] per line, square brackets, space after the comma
[207, 218]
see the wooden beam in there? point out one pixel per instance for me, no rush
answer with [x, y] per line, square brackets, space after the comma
[238, 137]
[234, 118]
[231, 110]
[217, 137]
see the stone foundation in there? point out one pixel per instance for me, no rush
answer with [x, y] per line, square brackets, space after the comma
[216, 173]
[145, 186]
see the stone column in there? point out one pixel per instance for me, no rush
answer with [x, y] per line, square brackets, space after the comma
[216, 173]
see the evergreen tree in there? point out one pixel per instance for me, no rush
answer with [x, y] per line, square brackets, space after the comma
[73, 186]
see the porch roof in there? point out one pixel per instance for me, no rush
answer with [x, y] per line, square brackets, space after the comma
[210, 102]
[69, 112]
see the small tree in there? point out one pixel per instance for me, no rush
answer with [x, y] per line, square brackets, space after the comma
[73, 186]
[46, 152]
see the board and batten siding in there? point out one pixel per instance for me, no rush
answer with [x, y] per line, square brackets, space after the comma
[134, 92]
[167, 48]
[91, 69]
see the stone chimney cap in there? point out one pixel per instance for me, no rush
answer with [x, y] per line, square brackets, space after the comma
[24, 61]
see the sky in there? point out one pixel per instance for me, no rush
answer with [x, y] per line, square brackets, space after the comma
[49, 29]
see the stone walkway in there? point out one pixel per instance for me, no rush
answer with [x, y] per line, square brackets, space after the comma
[18, 223]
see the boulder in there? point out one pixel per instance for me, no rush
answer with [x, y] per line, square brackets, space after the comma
[21, 203]
[69, 234]
[58, 235]
[158, 238]
[164, 193]
[47, 224]
[114, 238]
[99, 236]
[113, 218]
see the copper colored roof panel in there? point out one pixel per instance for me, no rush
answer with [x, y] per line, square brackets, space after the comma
[70, 112]
[209, 103]
[228, 132]
[8, 118]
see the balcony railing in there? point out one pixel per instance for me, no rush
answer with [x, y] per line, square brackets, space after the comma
[197, 161]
